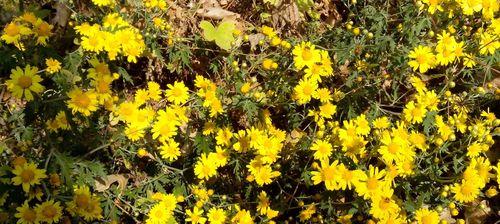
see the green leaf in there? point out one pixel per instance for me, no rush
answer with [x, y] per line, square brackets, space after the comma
[222, 34]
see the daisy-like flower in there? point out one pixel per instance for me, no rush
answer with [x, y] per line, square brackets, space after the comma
[205, 168]
[26, 215]
[305, 90]
[81, 101]
[426, 216]
[103, 2]
[53, 65]
[328, 173]
[49, 211]
[160, 213]
[177, 93]
[466, 191]
[195, 216]
[170, 150]
[422, 58]
[322, 149]
[372, 184]
[27, 175]
[216, 216]
[24, 82]
[13, 32]
[305, 55]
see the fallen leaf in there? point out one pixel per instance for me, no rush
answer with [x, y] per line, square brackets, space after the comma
[217, 13]
[104, 183]
[62, 14]
[477, 212]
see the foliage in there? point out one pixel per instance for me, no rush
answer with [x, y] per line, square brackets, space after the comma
[151, 111]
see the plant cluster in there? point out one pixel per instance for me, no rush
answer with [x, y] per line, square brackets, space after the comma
[117, 116]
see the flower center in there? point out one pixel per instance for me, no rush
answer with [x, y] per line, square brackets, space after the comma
[43, 29]
[384, 203]
[421, 59]
[329, 173]
[12, 30]
[427, 219]
[27, 176]
[49, 212]
[466, 189]
[306, 54]
[82, 100]
[372, 183]
[24, 81]
[29, 215]
[393, 148]
[82, 201]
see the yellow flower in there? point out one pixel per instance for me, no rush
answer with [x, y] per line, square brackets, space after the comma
[42, 30]
[305, 55]
[383, 207]
[27, 175]
[348, 178]
[433, 5]
[154, 91]
[216, 216]
[53, 65]
[177, 93]
[467, 191]
[85, 204]
[26, 215]
[24, 82]
[195, 216]
[49, 211]
[161, 213]
[372, 184]
[204, 167]
[104, 2]
[83, 102]
[13, 32]
[322, 149]
[426, 216]
[166, 125]
[488, 43]
[170, 150]
[265, 174]
[414, 113]
[328, 173]
[224, 136]
[381, 123]
[423, 58]
[305, 90]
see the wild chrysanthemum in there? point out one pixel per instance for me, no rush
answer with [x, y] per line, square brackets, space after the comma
[81, 101]
[23, 83]
[177, 93]
[328, 173]
[322, 149]
[414, 113]
[422, 59]
[26, 215]
[204, 167]
[27, 175]
[170, 150]
[195, 216]
[53, 65]
[305, 55]
[426, 216]
[383, 207]
[466, 191]
[304, 91]
[372, 184]
[216, 216]
[49, 211]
